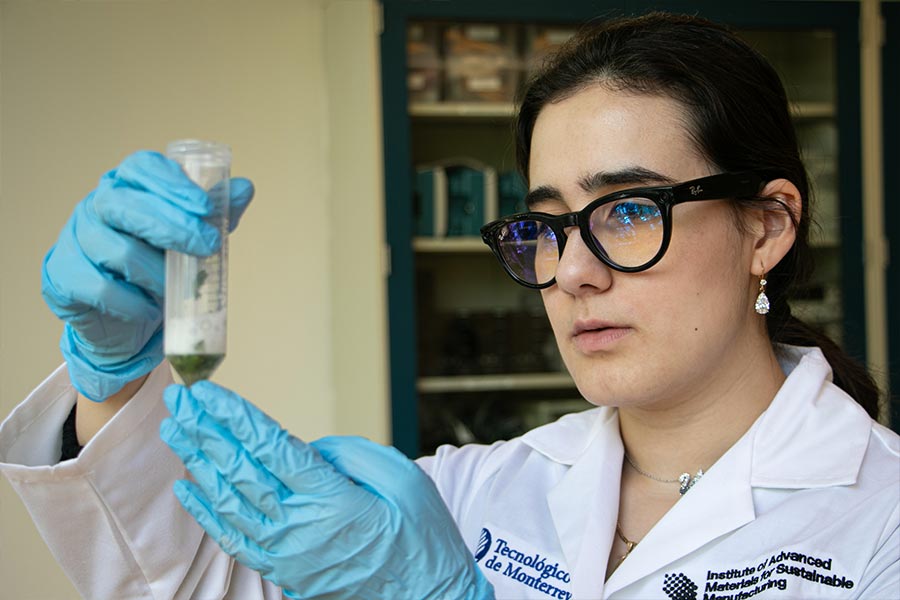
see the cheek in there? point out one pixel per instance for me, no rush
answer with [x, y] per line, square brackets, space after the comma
[553, 300]
[559, 307]
[707, 283]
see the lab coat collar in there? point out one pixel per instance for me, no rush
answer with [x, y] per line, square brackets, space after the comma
[812, 435]
[593, 480]
[568, 439]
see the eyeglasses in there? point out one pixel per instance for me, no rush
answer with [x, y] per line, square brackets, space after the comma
[628, 230]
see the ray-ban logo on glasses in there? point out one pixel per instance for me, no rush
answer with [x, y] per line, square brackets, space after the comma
[695, 189]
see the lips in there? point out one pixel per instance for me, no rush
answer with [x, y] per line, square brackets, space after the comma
[597, 336]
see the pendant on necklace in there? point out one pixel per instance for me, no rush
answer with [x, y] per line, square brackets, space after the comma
[687, 482]
[629, 546]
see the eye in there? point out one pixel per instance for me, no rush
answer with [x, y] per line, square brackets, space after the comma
[633, 212]
[546, 233]
[519, 231]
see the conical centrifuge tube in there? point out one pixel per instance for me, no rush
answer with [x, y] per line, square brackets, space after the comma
[196, 286]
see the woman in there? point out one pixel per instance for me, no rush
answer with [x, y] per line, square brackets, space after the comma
[669, 222]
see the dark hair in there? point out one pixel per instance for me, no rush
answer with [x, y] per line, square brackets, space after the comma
[738, 119]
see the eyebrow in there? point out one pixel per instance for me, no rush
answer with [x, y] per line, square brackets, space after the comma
[593, 183]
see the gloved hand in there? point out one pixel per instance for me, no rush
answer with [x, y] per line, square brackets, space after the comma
[105, 276]
[337, 518]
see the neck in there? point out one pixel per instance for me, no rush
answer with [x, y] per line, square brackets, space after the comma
[690, 431]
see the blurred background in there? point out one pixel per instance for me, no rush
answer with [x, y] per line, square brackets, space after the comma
[378, 134]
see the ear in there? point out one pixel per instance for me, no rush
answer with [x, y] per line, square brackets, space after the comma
[774, 230]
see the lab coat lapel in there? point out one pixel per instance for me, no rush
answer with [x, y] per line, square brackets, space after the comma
[811, 436]
[593, 481]
[720, 502]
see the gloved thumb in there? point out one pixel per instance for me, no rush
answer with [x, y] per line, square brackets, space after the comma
[242, 191]
[381, 470]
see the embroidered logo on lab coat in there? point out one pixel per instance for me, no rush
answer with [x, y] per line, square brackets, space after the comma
[783, 570]
[678, 586]
[484, 544]
[510, 560]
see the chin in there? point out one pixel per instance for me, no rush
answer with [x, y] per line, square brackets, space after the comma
[600, 390]
[613, 383]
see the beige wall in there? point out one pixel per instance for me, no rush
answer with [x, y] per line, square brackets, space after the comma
[292, 85]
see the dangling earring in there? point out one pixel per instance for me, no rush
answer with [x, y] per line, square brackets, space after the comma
[762, 301]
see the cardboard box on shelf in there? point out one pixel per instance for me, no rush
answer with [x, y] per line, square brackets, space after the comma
[424, 64]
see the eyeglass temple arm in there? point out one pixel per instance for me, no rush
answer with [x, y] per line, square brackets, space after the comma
[719, 186]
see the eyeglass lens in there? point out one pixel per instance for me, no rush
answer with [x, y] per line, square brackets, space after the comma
[629, 232]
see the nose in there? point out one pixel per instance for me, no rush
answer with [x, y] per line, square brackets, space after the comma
[579, 271]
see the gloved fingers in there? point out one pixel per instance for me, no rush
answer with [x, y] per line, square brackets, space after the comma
[118, 352]
[416, 503]
[125, 256]
[154, 219]
[293, 462]
[99, 372]
[319, 497]
[382, 470]
[228, 503]
[242, 191]
[252, 480]
[232, 541]
[161, 177]
[73, 289]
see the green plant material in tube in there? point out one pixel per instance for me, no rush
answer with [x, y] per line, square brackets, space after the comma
[201, 279]
[195, 367]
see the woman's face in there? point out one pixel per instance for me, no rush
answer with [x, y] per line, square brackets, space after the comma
[661, 335]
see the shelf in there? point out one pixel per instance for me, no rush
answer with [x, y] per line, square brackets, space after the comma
[467, 110]
[492, 383]
[474, 245]
[507, 110]
[450, 244]
[812, 110]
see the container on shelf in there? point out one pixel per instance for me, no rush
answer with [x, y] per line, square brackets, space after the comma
[492, 41]
[481, 62]
[423, 81]
[424, 64]
[476, 80]
[430, 201]
[454, 197]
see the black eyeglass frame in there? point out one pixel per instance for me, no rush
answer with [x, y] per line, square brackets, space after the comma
[743, 185]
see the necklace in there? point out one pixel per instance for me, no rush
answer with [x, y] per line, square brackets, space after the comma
[629, 545]
[685, 479]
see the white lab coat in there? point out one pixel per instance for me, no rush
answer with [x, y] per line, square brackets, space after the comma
[805, 505]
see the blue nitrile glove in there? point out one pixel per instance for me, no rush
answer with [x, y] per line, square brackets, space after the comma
[105, 276]
[337, 518]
